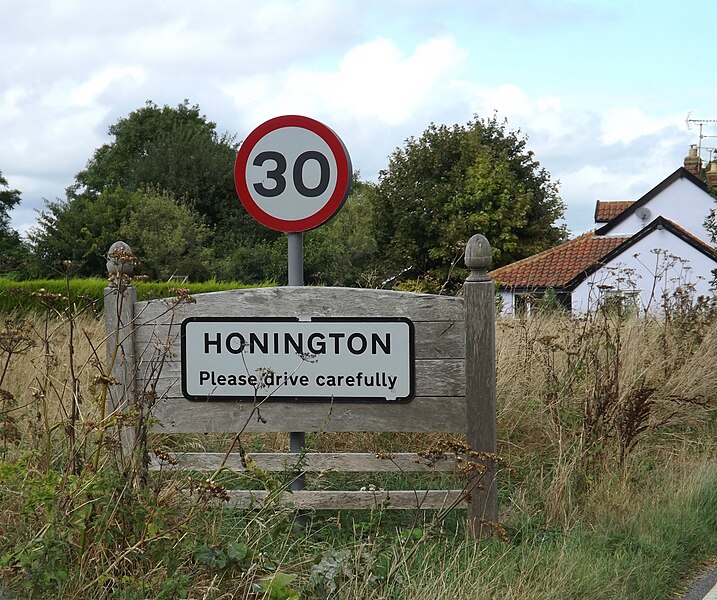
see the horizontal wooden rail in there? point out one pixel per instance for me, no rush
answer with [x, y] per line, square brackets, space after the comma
[361, 500]
[312, 462]
[177, 415]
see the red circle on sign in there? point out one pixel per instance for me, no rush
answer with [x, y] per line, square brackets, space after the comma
[338, 194]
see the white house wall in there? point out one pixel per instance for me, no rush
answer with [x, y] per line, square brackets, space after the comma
[651, 273]
[507, 303]
[682, 202]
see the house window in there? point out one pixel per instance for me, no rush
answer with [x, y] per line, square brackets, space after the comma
[620, 301]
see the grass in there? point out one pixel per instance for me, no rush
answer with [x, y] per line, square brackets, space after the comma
[608, 486]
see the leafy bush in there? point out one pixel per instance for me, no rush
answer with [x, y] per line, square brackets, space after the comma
[34, 295]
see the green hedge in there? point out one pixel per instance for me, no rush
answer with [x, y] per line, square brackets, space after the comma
[36, 295]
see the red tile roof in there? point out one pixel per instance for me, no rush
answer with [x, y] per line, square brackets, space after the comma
[557, 266]
[606, 211]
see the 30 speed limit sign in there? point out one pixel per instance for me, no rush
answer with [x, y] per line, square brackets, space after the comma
[292, 173]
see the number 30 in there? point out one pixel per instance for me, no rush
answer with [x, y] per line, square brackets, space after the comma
[277, 174]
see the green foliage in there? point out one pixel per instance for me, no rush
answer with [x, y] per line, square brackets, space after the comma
[176, 153]
[343, 251]
[175, 149]
[550, 303]
[276, 587]
[339, 252]
[14, 253]
[221, 556]
[452, 182]
[80, 231]
[264, 260]
[9, 199]
[164, 234]
[176, 243]
[36, 295]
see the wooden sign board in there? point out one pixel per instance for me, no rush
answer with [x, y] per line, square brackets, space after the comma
[453, 380]
[322, 359]
[437, 400]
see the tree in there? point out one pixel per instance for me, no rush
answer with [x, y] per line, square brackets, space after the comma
[339, 252]
[13, 252]
[166, 235]
[9, 199]
[342, 251]
[175, 149]
[80, 230]
[452, 182]
[177, 243]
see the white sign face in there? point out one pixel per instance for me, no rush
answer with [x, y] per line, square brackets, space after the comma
[291, 173]
[322, 359]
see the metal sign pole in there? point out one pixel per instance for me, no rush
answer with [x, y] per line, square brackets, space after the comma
[296, 258]
[298, 197]
[296, 278]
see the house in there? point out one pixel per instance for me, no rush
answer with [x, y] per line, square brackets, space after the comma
[639, 252]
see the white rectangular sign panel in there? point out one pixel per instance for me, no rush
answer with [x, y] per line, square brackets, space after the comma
[324, 359]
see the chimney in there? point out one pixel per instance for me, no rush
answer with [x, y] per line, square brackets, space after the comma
[712, 175]
[693, 162]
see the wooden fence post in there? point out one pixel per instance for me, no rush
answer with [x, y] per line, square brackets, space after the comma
[480, 382]
[120, 297]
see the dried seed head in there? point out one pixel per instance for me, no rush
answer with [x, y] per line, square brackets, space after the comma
[165, 457]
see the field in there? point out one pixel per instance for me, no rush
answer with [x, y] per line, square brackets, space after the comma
[608, 483]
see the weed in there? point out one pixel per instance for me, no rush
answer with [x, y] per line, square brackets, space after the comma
[596, 416]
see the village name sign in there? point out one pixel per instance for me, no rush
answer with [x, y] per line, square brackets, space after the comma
[321, 359]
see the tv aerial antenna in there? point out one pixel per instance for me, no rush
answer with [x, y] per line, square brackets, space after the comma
[700, 123]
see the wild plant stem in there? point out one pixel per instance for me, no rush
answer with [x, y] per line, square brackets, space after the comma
[7, 364]
[105, 389]
[74, 459]
[44, 391]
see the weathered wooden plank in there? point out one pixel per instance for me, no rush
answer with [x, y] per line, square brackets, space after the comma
[306, 302]
[361, 500]
[121, 362]
[178, 415]
[481, 378]
[433, 378]
[434, 339]
[311, 462]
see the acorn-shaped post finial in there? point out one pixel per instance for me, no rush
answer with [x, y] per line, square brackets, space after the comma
[478, 258]
[120, 260]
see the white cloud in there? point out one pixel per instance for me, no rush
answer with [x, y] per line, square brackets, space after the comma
[374, 81]
[624, 125]
[90, 91]
[507, 99]
[376, 72]
[11, 103]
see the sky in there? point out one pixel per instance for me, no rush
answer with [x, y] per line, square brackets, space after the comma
[609, 93]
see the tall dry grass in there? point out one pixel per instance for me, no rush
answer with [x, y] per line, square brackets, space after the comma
[595, 418]
[581, 396]
[50, 355]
